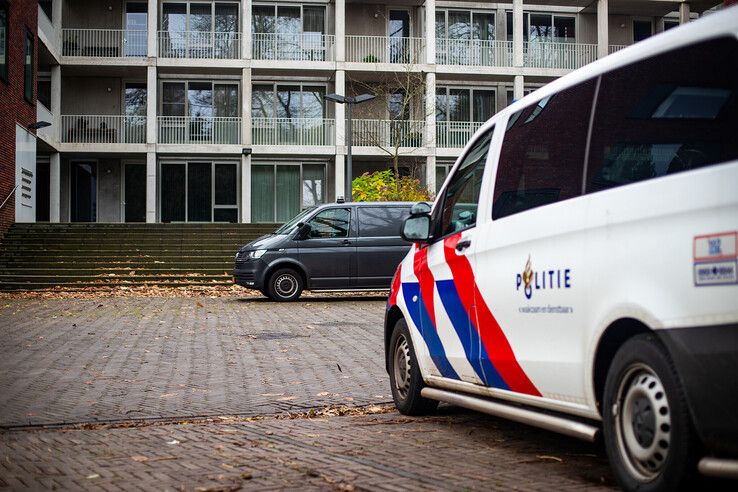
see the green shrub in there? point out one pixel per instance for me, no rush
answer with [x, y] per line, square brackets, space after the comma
[383, 186]
[371, 59]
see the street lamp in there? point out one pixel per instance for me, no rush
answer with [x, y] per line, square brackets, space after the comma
[349, 101]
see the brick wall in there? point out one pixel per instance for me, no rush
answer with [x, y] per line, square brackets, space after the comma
[14, 108]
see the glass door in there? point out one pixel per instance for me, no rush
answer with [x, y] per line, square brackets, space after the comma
[399, 32]
[84, 192]
[135, 112]
[134, 193]
[199, 192]
[173, 192]
[136, 29]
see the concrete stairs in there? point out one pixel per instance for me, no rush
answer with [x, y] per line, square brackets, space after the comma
[80, 255]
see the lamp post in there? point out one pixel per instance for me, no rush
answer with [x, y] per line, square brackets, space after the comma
[349, 101]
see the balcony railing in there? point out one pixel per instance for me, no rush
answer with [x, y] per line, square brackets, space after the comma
[384, 49]
[455, 134]
[292, 131]
[104, 43]
[199, 130]
[200, 45]
[545, 54]
[480, 52]
[388, 133]
[295, 47]
[615, 47]
[103, 129]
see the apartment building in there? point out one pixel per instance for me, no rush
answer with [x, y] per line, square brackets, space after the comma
[216, 111]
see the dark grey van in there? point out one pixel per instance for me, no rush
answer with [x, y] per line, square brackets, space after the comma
[338, 246]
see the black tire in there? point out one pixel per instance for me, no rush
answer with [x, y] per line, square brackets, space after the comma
[648, 433]
[404, 365]
[285, 285]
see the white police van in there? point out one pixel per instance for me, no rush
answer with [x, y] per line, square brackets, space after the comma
[577, 271]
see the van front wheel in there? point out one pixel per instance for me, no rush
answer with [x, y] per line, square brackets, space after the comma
[285, 285]
[647, 429]
[406, 381]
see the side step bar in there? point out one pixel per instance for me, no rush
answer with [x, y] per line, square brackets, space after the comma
[518, 414]
[720, 468]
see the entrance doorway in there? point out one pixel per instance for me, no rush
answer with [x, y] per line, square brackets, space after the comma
[199, 192]
[83, 192]
[134, 192]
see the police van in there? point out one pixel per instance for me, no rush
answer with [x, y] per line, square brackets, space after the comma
[577, 271]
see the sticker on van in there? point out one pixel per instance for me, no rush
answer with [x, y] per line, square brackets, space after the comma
[715, 259]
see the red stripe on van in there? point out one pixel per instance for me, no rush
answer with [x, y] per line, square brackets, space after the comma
[426, 281]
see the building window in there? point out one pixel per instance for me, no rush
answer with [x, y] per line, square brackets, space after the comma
[279, 191]
[3, 41]
[43, 89]
[670, 24]
[199, 191]
[28, 68]
[545, 27]
[289, 32]
[642, 29]
[460, 112]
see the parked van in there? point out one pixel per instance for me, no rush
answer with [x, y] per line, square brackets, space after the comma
[577, 271]
[339, 246]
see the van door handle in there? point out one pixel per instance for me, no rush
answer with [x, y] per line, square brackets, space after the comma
[346, 242]
[462, 245]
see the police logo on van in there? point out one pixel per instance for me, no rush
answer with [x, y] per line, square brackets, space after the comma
[547, 279]
[715, 259]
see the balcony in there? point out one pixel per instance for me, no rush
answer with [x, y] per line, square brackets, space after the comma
[388, 133]
[568, 56]
[615, 47]
[455, 134]
[384, 49]
[199, 45]
[478, 52]
[293, 131]
[293, 47]
[104, 43]
[199, 130]
[103, 129]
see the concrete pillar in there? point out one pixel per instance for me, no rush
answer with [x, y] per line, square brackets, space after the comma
[151, 104]
[340, 178]
[55, 187]
[683, 13]
[658, 25]
[340, 24]
[56, 20]
[602, 29]
[151, 187]
[517, 33]
[430, 130]
[246, 107]
[246, 29]
[153, 26]
[430, 33]
[245, 189]
[518, 91]
[56, 102]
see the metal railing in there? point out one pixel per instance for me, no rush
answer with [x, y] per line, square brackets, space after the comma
[455, 134]
[384, 49]
[9, 195]
[615, 47]
[480, 52]
[103, 129]
[104, 43]
[212, 130]
[292, 131]
[200, 45]
[388, 133]
[296, 47]
[548, 54]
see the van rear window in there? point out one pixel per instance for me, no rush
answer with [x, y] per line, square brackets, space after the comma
[666, 114]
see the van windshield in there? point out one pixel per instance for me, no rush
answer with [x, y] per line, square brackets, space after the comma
[289, 225]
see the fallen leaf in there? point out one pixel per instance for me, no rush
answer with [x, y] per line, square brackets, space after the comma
[550, 458]
[94, 475]
[139, 458]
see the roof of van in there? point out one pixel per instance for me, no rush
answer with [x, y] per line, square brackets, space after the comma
[716, 25]
[369, 204]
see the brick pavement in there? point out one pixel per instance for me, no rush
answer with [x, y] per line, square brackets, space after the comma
[67, 361]
[454, 450]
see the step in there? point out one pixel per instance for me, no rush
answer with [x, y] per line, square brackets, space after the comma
[83, 270]
[39, 285]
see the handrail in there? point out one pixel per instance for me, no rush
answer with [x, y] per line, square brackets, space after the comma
[8, 197]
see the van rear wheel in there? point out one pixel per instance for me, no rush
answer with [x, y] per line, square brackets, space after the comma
[285, 285]
[648, 434]
[406, 381]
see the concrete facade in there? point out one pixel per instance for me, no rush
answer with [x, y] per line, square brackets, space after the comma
[201, 93]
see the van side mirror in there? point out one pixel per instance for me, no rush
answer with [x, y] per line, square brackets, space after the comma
[303, 231]
[416, 228]
[420, 208]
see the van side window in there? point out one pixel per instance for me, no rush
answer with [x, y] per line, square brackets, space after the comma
[381, 221]
[667, 114]
[542, 156]
[461, 196]
[330, 223]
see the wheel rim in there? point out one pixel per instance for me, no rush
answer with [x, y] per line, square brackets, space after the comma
[642, 422]
[285, 285]
[402, 367]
